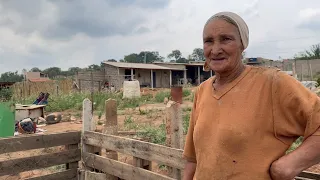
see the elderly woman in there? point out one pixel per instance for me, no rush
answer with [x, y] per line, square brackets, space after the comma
[245, 118]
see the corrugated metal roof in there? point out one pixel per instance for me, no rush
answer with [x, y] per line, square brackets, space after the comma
[138, 66]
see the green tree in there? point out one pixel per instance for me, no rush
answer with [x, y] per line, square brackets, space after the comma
[94, 67]
[182, 60]
[148, 56]
[11, 77]
[73, 70]
[175, 54]
[35, 69]
[313, 53]
[197, 54]
[53, 72]
[133, 58]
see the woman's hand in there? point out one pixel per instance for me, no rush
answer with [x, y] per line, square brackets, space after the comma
[281, 170]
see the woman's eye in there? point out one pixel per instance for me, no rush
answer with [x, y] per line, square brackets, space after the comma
[226, 39]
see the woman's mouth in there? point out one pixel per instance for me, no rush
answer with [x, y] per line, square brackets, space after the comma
[218, 59]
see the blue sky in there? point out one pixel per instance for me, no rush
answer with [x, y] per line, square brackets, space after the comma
[68, 33]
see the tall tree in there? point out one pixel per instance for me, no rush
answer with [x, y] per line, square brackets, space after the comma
[148, 56]
[198, 54]
[176, 54]
[11, 77]
[52, 72]
[94, 67]
[133, 58]
[313, 53]
[35, 69]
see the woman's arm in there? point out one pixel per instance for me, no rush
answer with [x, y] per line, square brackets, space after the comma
[189, 170]
[292, 164]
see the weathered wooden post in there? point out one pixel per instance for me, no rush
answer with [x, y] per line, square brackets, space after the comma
[111, 127]
[88, 124]
[174, 130]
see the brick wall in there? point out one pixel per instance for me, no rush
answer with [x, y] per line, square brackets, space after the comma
[83, 78]
[112, 76]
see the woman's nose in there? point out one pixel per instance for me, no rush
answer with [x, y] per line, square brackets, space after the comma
[216, 49]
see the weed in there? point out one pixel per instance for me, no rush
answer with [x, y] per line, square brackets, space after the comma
[186, 92]
[161, 95]
[186, 119]
[99, 114]
[130, 124]
[100, 123]
[155, 135]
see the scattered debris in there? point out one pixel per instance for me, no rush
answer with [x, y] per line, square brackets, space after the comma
[53, 118]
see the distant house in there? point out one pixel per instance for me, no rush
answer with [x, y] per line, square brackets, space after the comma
[149, 75]
[155, 75]
[36, 77]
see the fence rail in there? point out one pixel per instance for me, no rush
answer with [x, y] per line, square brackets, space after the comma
[70, 155]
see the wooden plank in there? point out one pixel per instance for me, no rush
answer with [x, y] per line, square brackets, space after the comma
[15, 166]
[174, 132]
[95, 176]
[111, 127]
[73, 165]
[309, 175]
[67, 174]
[121, 170]
[144, 150]
[87, 125]
[29, 142]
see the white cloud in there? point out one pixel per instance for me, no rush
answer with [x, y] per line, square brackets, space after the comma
[33, 36]
[309, 13]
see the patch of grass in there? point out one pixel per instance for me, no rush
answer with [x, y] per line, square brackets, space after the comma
[186, 92]
[186, 119]
[159, 98]
[155, 135]
[129, 103]
[100, 123]
[129, 123]
[99, 114]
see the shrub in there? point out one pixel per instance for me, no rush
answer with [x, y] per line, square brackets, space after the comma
[5, 94]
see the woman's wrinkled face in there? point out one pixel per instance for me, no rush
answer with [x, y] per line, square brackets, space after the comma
[222, 45]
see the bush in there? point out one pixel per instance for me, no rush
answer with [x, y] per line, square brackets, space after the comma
[5, 94]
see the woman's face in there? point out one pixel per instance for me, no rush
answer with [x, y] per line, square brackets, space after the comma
[222, 45]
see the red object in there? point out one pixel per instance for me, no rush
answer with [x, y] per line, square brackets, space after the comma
[176, 94]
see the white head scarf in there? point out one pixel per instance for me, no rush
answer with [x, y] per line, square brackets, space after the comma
[236, 20]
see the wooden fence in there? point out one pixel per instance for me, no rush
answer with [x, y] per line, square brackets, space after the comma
[98, 166]
[69, 155]
[99, 151]
[22, 90]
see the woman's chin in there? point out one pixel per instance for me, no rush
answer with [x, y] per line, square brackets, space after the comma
[217, 67]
